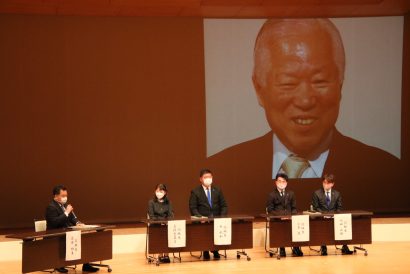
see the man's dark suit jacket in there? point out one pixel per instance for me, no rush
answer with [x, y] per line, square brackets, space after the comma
[281, 205]
[56, 218]
[361, 173]
[319, 201]
[199, 205]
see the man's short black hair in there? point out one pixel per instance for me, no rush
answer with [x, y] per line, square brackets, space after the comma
[58, 188]
[282, 175]
[331, 178]
[204, 171]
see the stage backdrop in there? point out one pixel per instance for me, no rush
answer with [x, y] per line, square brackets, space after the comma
[107, 106]
[111, 106]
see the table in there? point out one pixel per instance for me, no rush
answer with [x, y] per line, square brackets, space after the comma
[46, 249]
[199, 236]
[321, 230]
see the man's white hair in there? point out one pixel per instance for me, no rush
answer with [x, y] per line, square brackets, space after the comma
[274, 29]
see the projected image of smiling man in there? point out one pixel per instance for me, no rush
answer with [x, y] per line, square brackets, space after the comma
[298, 76]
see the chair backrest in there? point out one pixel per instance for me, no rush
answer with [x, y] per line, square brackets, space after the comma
[148, 217]
[40, 225]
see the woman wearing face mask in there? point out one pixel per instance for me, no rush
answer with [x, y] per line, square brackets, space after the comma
[159, 207]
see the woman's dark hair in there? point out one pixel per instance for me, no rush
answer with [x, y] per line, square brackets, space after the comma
[161, 187]
[164, 188]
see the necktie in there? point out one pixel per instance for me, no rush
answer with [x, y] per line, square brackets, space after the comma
[208, 193]
[62, 207]
[282, 193]
[294, 166]
[327, 198]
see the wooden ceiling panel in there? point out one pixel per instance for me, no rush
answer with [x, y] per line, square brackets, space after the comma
[216, 12]
[28, 8]
[210, 8]
[319, 2]
[237, 3]
[296, 11]
[149, 11]
[157, 3]
[84, 7]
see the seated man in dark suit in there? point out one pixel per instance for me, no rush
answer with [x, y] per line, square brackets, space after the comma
[282, 202]
[208, 201]
[61, 215]
[327, 200]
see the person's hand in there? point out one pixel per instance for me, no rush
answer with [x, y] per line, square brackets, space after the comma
[68, 209]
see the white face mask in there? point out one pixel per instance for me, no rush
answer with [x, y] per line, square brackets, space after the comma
[207, 182]
[159, 195]
[63, 200]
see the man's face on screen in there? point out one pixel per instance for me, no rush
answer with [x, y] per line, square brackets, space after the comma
[302, 91]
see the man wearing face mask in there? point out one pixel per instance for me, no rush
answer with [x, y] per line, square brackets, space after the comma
[59, 214]
[282, 202]
[328, 200]
[208, 201]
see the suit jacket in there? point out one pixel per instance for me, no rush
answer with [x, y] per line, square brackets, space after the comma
[57, 219]
[319, 201]
[361, 172]
[281, 205]
[199, 205]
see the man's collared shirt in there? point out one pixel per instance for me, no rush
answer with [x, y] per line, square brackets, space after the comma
[206, 191]
[328, 193]
[280, 153]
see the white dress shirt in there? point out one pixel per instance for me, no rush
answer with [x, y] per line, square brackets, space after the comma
[206, 191]
[328, 193]
[280, 153]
